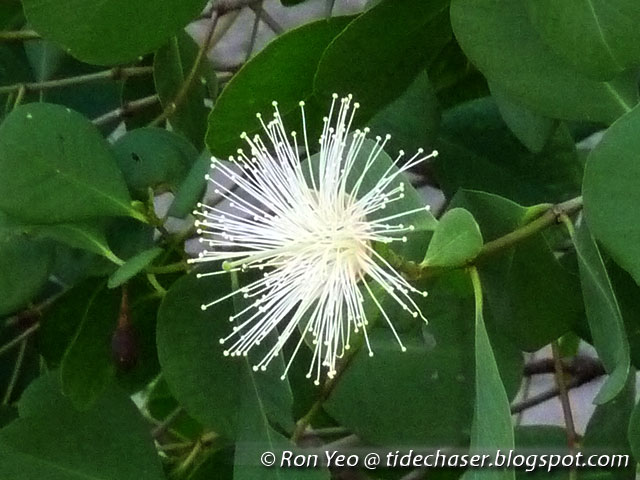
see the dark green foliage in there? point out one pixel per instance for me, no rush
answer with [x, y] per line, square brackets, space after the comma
[110, 112]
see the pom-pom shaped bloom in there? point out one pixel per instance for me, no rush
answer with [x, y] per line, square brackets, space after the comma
[308, 223]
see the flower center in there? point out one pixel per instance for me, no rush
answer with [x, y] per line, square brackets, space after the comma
[344, 232]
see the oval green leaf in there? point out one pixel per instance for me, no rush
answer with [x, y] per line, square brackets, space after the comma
[152, 157]
[86, 236]
[282, 72]
[105, 32]
[603, 313]
[497, 35]
[524, 305]
[133, 266]
[65, 172]
[25, 264]
[597, 37]
[379, 54]
[53, 440]
[202, 379]
[492, 427]
[611, 191]
[87, 367]
[456, 240]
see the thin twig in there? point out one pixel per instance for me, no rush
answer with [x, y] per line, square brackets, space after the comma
[415, 271]
[126, 110]
[16, 372]
[23, 336]
[19, 96]
[564, 396]
[224, 6]
[586, 376]
[330, 5]
[19, 36]
[117, 73]
[327, 388]
[162, 427]
[181, 96]
[184, 466]
[526, 390]
[268, 20]
[254, 30]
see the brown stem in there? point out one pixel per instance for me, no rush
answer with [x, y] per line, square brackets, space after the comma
[19, 36]
[564, 396]
[116, 73]
[126, 110]
[588, 374]
[551, 216]
[327, 388]
[181, 96]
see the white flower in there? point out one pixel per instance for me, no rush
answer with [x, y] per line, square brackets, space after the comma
[313, 236]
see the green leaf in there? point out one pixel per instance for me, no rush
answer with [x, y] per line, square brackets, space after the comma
[429, 382]
[64, 173]
[161, 403]
[478, 152]
[628, 294]
[86, 236]
[106, 32]
[283, 72]
[11, 16]
[91, 99]
[597, 37]
[25, 264]
[45, 59]
[133, 266]
[611, 191]
[192, 188]
[456, 240]
[525, 306]
[171, 67]
[379, 54]
[412, 119]
[533, 130]
[605, 432]
[128, 237]
[52, 440]
[87, 367]
[492, 427]
[255, 437]
[202, 379]
[531, 437]
[454, 78]
[217, 465]
[152, 157]
[258, 396]
[59, 324]
[605, 320]
[497, 35]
